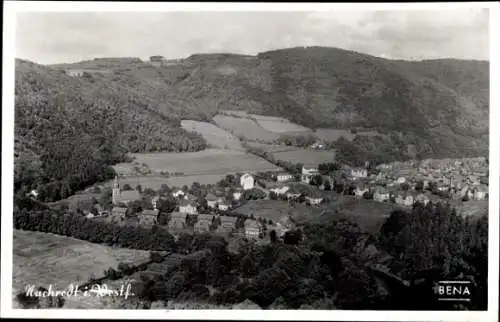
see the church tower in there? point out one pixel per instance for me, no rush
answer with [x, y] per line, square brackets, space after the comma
[116, 191]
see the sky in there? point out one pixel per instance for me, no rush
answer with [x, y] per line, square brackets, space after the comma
[58, 37]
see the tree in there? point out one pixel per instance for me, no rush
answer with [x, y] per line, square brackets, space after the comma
[166, 205]
[419, 185]
[317, 180]
[292, 237]
[149, 192]
[405, 186]
[139, 188]
[327, 185]
[273, 195]
[273, 236]
[106, 199]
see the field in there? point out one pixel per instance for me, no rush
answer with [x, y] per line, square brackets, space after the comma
[214, 135]
[41, 259]
[308, 157]
[368, 214]
[269, 209]
[244, 127]
[206, 167]
[333, 134]
[278, 124]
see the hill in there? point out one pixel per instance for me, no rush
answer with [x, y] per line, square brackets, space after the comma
[422, 109]
[68, 130]
[438, 106]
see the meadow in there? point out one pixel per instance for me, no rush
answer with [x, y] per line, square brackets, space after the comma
[41, 259]
[215, 136]
[245, 128]
[206, 167]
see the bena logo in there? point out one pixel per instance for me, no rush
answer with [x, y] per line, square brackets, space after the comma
[454, 290]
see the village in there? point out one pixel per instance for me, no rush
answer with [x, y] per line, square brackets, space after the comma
[214, 208]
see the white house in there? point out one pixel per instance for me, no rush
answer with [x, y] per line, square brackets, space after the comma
[178, 193]
[359, 173]
[360, 191]
[34, 194]
[283, 177]
[247, 181]
[291, 196]
[381, 195]
[307, 174]
[422, 199]
[481, 192]
[185, 206]
[237, 195]
[401, 180]
[224, 205]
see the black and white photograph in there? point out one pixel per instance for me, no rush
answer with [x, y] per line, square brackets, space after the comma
[265, 161]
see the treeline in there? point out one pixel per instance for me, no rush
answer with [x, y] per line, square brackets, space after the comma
[293, 168]
[78, 226]
[69, 130]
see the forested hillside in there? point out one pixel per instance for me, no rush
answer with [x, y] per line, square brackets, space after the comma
[438, 106]
[434, 108]
[69, 130]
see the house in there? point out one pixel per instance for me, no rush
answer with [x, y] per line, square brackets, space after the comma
[318, 145]
[74, 72]
[187, 207]
[124, 197]
[224, 205]
[284, 177]
[227, 224]
[252, 229]
[154, 201]
[247, 181]
[308, 174]
[178, 193]
[211, 200]
[177, 221]
[148, 217]
[157, 61]
[360, 190]
[406, 200]
[401, 180]
[237, 195]
[203, 224]
[381, 194]
[190, 197]
[34, 194]
[422, 199]
[357, 173]
[481, 192]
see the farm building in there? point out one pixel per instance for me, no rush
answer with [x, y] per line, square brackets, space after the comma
[280, 190]
[124, 197]
[360, 190]
[247, 181]
[188, 207]
[308, 174]
[284, 177]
